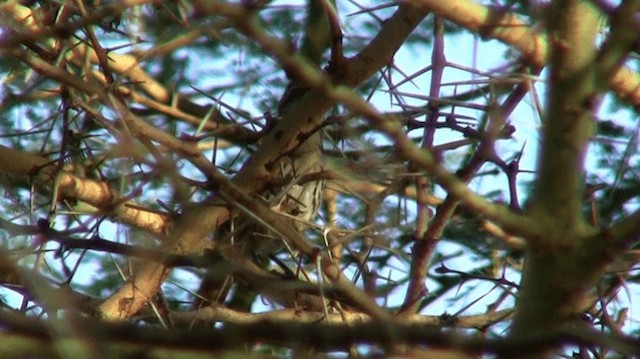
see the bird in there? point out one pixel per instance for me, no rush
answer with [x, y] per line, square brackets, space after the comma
[297, 198]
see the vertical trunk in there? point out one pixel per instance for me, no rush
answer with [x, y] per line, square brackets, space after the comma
[555, 278]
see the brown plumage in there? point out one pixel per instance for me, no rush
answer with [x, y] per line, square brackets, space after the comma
[299, 199]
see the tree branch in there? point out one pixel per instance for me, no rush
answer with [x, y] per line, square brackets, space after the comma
[32, 337]
[98, 194]
[510, 29]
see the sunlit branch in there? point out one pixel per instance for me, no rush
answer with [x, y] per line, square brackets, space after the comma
[95, 193]
[500, 24]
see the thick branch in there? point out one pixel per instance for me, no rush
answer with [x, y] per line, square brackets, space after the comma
[299, 122]
[33, 336]
[563, 262]
[96, 193]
